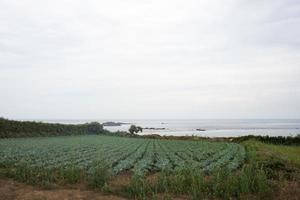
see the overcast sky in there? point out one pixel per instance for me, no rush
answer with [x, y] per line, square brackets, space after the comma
[149, 59]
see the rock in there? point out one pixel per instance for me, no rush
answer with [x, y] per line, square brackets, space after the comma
[151, 128]
[113, 123]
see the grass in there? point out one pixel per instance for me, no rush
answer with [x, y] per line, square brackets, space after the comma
[46, 178]
[281, 165]
[279, 161]
[99, 175]
[289, 154]
[193, 183]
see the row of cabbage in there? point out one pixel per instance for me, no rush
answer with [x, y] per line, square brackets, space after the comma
[121, 154]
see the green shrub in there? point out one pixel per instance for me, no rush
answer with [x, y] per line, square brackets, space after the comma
[99, 174]
[12, 129]
[139, 188]
[222, 183]
[261, 186]
[71, 174]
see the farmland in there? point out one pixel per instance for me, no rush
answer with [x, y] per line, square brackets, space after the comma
[152, 168]
[138, 155]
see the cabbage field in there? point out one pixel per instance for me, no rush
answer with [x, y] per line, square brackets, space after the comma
[139, 155]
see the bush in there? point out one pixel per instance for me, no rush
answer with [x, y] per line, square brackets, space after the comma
[99, 174]
[271, 140]
[222, 183]
[11, 129]
[135, 129]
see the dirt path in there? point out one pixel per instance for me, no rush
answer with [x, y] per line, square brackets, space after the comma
[11, 190]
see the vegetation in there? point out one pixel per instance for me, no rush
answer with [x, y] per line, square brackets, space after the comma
[120, 153]
[135, 129]
[197, 169]
[277, 160]
[288, 140]
[12, 129]
[159, 167]
[193, 183]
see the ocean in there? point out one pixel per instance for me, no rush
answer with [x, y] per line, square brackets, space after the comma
[211, 127]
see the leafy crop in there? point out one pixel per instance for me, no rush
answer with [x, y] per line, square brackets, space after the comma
[80, 153]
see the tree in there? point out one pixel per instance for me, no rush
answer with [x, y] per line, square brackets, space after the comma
[135, 129]
[140, 129]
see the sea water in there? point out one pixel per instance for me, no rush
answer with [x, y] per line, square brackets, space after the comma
[212, 127]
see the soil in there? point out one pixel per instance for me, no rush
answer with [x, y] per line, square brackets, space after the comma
[290, 190]
[12, 190]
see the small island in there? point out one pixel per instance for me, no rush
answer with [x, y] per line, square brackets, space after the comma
[113, 123]
[152, 128]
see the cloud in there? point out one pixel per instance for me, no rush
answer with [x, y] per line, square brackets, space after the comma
[149, 59]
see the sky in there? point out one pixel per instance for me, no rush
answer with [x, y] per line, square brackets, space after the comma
[142, 59]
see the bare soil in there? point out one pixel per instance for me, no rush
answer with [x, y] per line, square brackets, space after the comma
[12, 190]
[290, 190]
